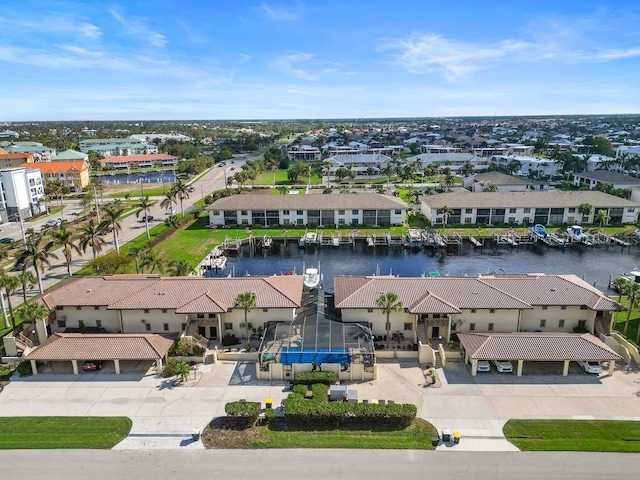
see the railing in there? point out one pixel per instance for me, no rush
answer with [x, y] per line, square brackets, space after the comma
[25, 340]
[199, 339]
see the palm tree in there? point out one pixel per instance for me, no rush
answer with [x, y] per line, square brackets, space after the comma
[144, 205]
[491, 187]
[389, 302]
[153, 260]
[10, 285]
[284, 189]
[180, 190]
[168, 202]
[138, 254]
[179, 268]
[273, 166]
[90, 235]
[584, 209]
[33, 311]
[27, 280]
[305, 169]
[172, 222]
[114, 217]
[449, 181]
[36, 254]
[601, 218]
[246, 301]
[633, 293]
[446, 212]
[65, 238]
[326, 170]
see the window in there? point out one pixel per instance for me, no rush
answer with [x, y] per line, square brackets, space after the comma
[148, 327]
[212, 315]
[493, 310]
[512, 210]
[560, 323]
[472, 327]
[300, 221]
[582, 324]
[59, 307]
[341, 221]
[572, 209]
[165, 327]
[340, 212]
[300, 212]
[543, 323]
[631, 210]
[408, 326]
[200, 315]
[96, 308]
[468, 210]
[369, 310]
[397, 211]
[436, 315]
[285, 212]
[146, 310]
[62, 324]
[78, 308]
[583, 307]
[164, 310]
[527, 210]
[265, 310]
[545, 307]
[355, 212]
[183, 326]
[563, 307]
[473, 310]
[243, 212]
[228, 326]
[215, 212]
[490, 327]
[99, 323]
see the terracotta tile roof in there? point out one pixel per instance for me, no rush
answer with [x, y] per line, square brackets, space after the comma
[185, 294]
[139, 158]
[536, 346]
[55, 167]
[14, 156]
[81, 346]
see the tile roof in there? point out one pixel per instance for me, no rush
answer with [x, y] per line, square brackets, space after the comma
[608, 177]
[82, 346]
[499, 178]
[138, 158]
[47, 167]
[526, 200]
[305, 202]
[14, 156]
[70, 155]
[536, 346]
[185, 294]
[450, 294]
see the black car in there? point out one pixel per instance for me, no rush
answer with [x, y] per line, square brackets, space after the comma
[6, 240]
[146, 218]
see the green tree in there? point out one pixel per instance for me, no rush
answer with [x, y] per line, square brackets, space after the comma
[633, 293]
[90, 235]
[65, 238]
[27, 280]
[446, 212]
[113, 219]
[180, 191]
[389, 302]
[584, 209]
[153, 261]
[10, 285]
[144, 206]
[138, 254]
[110, 263]
[182, 371]
[179, 268]
[601, 218]
[32, 312]
[620, 285]
[246, 301]
[36, 253]
[172, 221]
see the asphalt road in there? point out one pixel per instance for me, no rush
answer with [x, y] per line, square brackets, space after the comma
[312, 464]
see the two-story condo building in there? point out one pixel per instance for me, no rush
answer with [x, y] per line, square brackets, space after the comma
[110, 147]
[527, 164]
[312, 210]
[124, 162]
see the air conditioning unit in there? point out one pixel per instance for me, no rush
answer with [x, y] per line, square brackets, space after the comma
[288, 374]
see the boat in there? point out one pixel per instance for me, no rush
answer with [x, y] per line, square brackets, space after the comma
[632, 276]
[414, 237]
[218, 263]
[311, 277]
[558, 240]
[576, 234]
[310, 238]
[538, 231]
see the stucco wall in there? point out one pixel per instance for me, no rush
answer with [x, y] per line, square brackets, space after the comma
[378, 320]
[530, 320]
[503, 320]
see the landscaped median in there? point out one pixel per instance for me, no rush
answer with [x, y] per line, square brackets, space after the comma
[574, 435]
[18, 433]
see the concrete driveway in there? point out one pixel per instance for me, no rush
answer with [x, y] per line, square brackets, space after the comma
[164, 415]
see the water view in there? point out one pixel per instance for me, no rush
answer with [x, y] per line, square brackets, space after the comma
[593, 264]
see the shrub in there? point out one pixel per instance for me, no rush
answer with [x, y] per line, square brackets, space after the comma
[170, 368]
[300, 389]
[24, 368]
[270, 415]
[243, 414]
[230, 339]
[309, 378]
[197, 351]
[5, 372]
[320, 392]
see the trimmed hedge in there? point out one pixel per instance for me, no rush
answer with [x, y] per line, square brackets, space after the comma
[300, 389]
[313, 414]
[320, 392]
[244, 414]
[309, 378]
[270, 415]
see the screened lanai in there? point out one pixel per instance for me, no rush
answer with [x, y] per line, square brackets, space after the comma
[315, 338]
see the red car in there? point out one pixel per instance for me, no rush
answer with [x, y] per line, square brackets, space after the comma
[90, 366]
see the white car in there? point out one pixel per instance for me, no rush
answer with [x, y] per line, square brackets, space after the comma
[483, 366]
[590, 367]
[503, 366]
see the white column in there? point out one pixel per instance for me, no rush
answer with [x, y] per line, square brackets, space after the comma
[520, 364]
[74, 364]
[34, 368]
[116, 364]
[565, 368]
[474, 367]
[612, 366]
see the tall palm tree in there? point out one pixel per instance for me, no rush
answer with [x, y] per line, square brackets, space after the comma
[90, 235]
[633, 293]
[144, 206]
[33, 311]
[138, 254]
[113, 219]
[179, 268]
[65, 238]
[152, 260]
[584, 209]
[273, 166]
[389, 302]
[36, 253]
[305, 169]
[27, 280]
[180, 190]
[10, 285]
[446, 212]
[168, 202]
[601, 218]
[247, 302]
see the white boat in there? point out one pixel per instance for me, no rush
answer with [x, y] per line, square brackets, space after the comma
[632, 276]
[414, 237]
[310, 237]
[576, 234]
[311, 277]
[218, 263]
[539, 231]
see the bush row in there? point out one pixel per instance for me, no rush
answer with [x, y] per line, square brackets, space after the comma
[244, 414]
[313, 414]
[309, 378]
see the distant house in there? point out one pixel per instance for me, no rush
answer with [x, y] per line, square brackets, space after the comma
[304, 153]
[526, 208]
[505, 183]
[360, 163]
[39, 152]
[111, 147]
[527, 164]
[70, 156]
[312, 210]
[615, 179]
[453, 160]
[124, 162]
[74, 175]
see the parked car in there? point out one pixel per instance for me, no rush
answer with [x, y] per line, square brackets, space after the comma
[6, 240]
[192, 188]
[53, 223]
[92, 365]
[503, 366]
[146, 218]
[590, 367]
[483, 366]
[19, 266]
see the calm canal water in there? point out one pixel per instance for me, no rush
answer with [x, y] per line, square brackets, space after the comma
[593, 264]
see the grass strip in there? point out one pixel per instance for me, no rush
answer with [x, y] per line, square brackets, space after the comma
[574, 435]
[62, 432]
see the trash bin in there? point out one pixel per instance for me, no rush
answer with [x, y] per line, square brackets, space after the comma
[195, 434]
[456, 437]
[446, 435]
[268, 402]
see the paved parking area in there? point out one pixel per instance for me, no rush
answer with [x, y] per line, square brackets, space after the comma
[164, 415]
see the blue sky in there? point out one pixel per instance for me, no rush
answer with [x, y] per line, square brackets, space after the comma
[189, 59]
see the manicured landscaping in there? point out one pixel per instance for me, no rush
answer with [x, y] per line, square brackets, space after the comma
[574, 435]
[62, 432]
[621, 318]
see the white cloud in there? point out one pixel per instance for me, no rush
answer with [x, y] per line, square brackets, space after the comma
[280, 13]
[89, 30]
[137, 27]
[292, 65]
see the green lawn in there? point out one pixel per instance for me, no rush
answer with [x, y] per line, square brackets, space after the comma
[621, 318]
[266, 178]
[574, 435]
[62, 432]
[416, 437]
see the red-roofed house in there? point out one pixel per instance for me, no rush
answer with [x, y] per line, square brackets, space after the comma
[74, 175]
